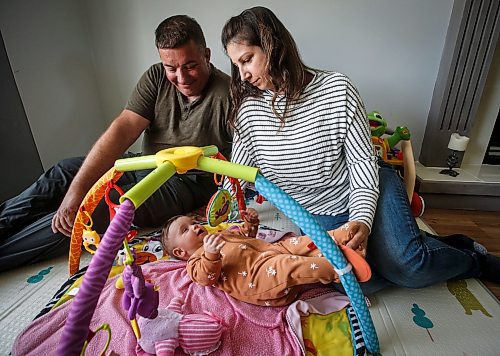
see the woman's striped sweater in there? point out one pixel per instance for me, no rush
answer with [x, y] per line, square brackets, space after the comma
[323, 156]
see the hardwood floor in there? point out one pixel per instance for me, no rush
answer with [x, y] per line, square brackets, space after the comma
[483, 226]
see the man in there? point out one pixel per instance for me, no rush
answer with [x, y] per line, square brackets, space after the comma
[182, 101]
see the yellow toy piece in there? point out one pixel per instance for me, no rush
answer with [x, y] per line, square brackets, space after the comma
[328, 334]
[184, 158]
[381, 148]
[91, 238]
[92, 333]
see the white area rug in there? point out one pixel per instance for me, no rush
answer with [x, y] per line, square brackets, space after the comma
[432, 321]
[439, 324]
[25, 291]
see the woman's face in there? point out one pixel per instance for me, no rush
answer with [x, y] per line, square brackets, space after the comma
[251, 62]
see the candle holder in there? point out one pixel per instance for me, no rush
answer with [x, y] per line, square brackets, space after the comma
[451, 162]
[457, 144]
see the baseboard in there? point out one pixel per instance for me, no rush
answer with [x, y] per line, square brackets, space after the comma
[460, 195]
[462, 202]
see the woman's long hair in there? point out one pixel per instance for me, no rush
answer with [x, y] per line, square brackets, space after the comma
[259, 26]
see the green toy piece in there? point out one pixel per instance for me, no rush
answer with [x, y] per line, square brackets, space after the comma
[384, 141]
[378, 124]
[378, 127]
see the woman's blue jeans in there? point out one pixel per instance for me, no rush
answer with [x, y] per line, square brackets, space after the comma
[399, 253]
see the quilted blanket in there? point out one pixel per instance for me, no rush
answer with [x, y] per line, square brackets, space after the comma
[259, 330]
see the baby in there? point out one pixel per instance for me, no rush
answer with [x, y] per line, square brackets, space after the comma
[249, 269]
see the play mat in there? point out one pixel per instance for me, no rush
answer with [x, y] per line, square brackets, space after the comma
[460, 318]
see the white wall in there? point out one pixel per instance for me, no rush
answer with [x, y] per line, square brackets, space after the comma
[391, 49]
[49, 52]
[486, 115]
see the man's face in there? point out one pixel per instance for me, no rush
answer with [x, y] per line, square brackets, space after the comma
[187, 68]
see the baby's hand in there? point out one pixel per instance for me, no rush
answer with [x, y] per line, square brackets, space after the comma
[252, 216]
[213, 243]
[251, 223]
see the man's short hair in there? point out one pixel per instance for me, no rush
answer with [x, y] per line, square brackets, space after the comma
[178, 30]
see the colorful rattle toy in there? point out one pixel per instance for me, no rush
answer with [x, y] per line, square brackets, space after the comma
[220, 205]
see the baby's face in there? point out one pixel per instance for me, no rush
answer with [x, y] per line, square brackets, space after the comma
[189, 236]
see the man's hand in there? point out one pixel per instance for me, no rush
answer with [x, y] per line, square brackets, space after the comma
[358, 236]
[65, 216]
[213, 243]
[122, 132]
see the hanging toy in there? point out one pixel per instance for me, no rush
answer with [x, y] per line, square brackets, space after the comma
[221, 204]
[111, 205]
[233, 215]
[92, 333]
[90, 237]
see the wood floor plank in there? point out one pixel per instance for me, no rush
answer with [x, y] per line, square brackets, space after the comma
[483, 226]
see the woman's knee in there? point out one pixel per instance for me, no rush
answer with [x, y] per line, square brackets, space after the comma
[414, 279]
[408, 270]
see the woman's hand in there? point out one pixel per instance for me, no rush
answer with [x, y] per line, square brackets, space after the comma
[358, 236]
[213, 243]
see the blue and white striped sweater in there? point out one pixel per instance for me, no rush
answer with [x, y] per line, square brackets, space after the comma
[323, 156]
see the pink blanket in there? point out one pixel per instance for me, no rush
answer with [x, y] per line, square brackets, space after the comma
[251, 329]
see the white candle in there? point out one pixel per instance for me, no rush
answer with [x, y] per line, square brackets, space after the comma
[457, 142]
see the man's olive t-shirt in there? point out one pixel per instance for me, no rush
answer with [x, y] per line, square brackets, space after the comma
[177, 122]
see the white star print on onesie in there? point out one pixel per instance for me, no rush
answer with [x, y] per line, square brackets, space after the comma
[345, 226]
[271, 272]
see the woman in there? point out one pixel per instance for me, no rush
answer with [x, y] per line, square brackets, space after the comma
[307, 132]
